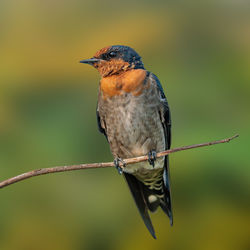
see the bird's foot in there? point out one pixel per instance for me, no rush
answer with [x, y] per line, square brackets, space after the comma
[119, 166]
[152, 157]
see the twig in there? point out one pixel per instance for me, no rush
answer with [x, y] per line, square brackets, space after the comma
[43, 171]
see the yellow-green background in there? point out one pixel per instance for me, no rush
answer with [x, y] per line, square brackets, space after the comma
[201, 53]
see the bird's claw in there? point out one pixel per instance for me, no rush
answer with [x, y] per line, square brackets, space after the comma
[119, 167]
[152, 158]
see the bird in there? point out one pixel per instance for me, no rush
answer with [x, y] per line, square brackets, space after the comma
[133, 114]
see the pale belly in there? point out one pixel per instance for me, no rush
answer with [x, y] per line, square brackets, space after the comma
[134, 130]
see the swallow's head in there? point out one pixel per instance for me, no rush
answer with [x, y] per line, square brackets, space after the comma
[116, 59]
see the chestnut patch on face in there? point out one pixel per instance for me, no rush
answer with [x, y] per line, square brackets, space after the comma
[112, 67]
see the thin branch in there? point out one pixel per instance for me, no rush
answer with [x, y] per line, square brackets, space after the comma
[43, 171]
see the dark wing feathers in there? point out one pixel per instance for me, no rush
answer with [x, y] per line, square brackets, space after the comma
[165, 112]
[99, 124]
[166, 123]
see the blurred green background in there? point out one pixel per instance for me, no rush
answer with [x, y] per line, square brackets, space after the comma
[201, 53]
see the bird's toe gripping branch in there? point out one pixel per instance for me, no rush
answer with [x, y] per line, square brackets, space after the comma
[119, 166]
[152, 157]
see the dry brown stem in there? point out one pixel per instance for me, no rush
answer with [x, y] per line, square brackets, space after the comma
[43, 171]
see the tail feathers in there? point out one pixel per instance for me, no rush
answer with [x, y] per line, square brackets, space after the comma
[136, 189]
[156, 190]
[154, 200]
[166, 204]
[150, 194]
[167, 211]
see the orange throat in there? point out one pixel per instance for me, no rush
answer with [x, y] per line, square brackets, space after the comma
[131, 81]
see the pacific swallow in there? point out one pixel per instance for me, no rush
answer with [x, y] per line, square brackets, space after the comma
[133, 113]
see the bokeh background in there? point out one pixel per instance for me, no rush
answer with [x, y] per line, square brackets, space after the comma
[201, 53]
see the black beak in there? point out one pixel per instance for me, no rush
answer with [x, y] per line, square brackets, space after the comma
[90, 61]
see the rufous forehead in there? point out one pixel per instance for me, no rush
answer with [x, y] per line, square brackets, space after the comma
[102, 51]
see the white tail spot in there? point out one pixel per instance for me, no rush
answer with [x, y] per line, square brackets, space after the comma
[152, 198]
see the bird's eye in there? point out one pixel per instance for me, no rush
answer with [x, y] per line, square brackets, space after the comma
[112, 54]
